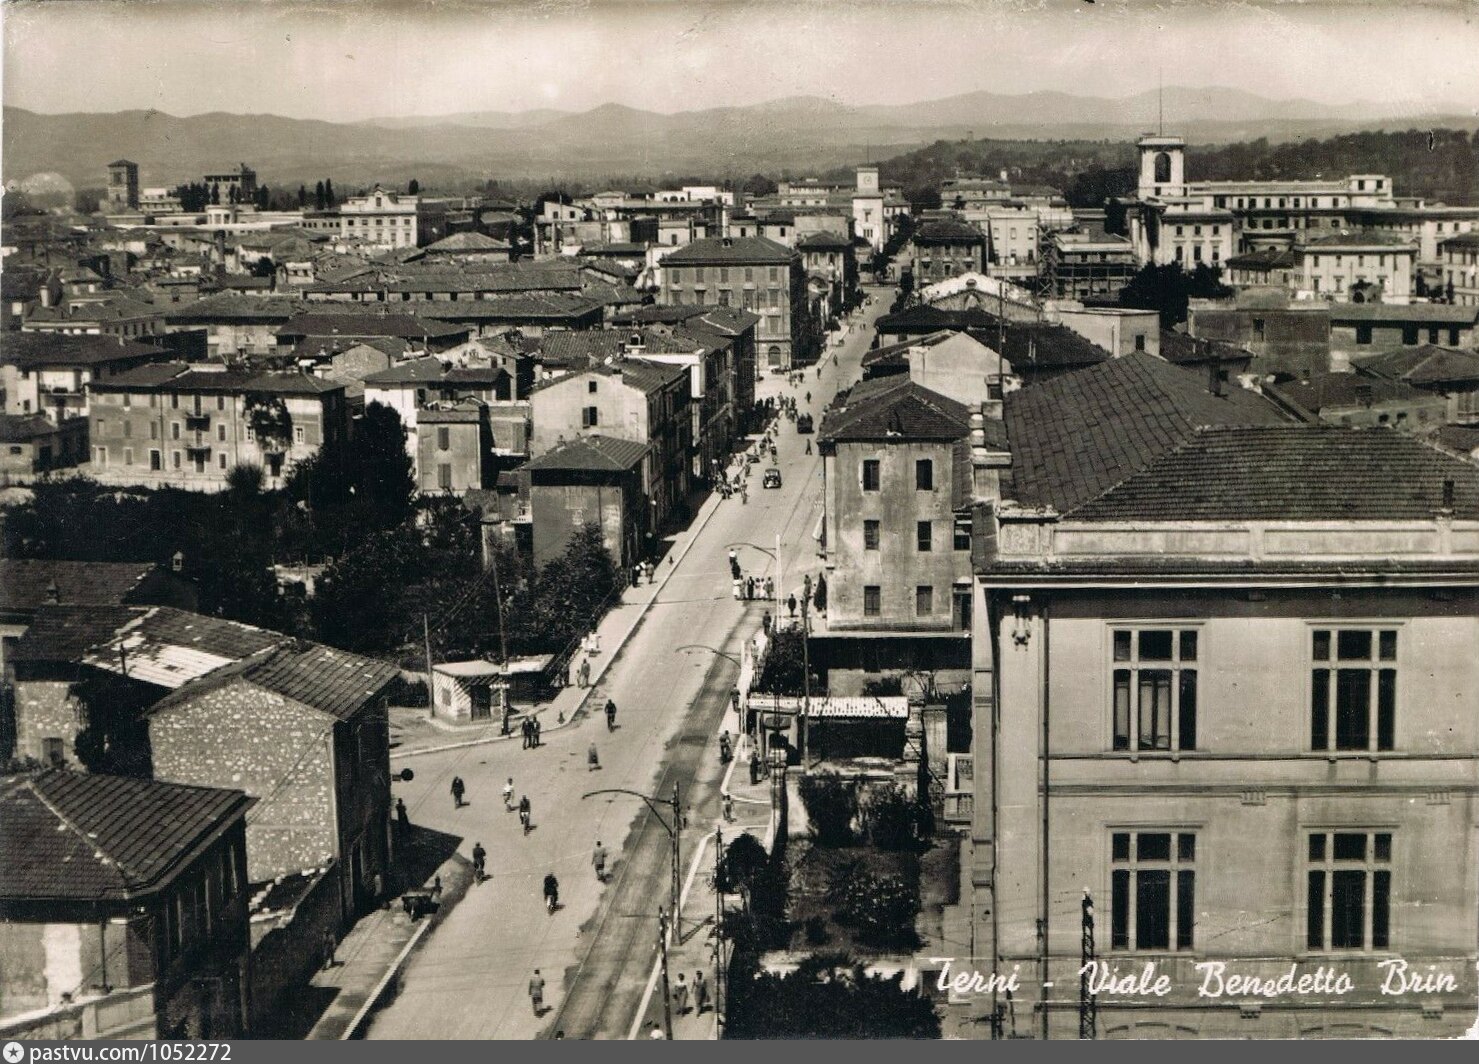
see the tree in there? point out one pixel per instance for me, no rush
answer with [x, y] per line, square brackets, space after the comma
[329, 201]
[270, 422]
[759, 185]
[87, 200]
[381, 470]
[893, 818]
[1168, 290]
[216, 194]
[302, 196]
[831, 803]
[357, 603]
[783, 671]
[414, 188]
[826, 996]
[882, 907]
[264, 267]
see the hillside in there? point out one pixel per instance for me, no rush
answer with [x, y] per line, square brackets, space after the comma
[799, 134]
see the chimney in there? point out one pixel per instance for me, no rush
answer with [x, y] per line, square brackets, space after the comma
[54, 595]
[1363, 394]
[1448, 497]
[1214, 377]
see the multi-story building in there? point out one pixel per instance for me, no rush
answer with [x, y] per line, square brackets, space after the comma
[1365, 328]
[628, 399]
[174, 424]
[1448, 372]
[1087, 266]
[752, 274]
[1460, 269]
[896, 538]
[1271, 267]
[379, 219]
[1360, 400]
[123, 185]
[237, 185]
[831, 266]
[1216, 709]
[50, 373]
[1288, 337]
[941, 248]
[420, 385]
[1340, 266]
[123, 908]
[592, 479]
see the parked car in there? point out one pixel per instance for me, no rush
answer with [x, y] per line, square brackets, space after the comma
[772, 478]
[803, 424]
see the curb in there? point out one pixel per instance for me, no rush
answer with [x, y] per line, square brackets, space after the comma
[677, 557]
[379, 991]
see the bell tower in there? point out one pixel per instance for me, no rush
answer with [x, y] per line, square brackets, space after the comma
[1162, 166]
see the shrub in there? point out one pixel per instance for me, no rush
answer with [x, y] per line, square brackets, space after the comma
[882, 908]
[893, 818]
[831, 806]
[827, 996]
[744, 862]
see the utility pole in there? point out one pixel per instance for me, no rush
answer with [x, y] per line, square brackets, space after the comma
[667, 993]
[719, 965]
[677, 849]
[780, 576]
[504, 706]
[431, 703]
[805, 668]
[1088, 1002]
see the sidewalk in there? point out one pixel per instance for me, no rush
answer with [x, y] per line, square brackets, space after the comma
[414, 734]
[369, 957]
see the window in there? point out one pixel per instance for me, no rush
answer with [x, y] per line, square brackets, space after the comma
[1139, 341]
[924, 532]
[174, 430]
[221, 433]
[872, 605]
[1354, 686]
[1349, 899]
[924, 475]
[1155, 689]
[591, 387]
[870, 535]
[221, 460]
[444, 476]
[870, 474]
[1153, 890]
[962, 532]
[156, 463]
[128, 456]
[1363, 334]
[297, 433]
[444, 439]
[1409, 335]
[589, 417]
[1258, 328]
[53, 751]
[175, 459]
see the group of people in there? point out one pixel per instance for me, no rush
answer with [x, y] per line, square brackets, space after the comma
[530, 729]
[751, 588]
[641, 573]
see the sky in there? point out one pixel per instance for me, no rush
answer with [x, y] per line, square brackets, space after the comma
[347, 60]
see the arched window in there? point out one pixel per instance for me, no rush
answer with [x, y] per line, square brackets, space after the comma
[1162, 167]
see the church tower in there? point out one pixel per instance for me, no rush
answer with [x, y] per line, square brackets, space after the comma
[1162, 166]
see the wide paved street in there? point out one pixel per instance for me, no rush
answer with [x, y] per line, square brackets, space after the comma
[469, 979]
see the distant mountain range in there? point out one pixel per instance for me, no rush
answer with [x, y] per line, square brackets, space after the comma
[803, 133]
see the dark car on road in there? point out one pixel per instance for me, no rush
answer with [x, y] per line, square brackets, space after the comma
[803, 424]
[772, 478]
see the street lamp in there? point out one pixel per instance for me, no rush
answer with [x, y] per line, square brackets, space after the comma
[672, 829]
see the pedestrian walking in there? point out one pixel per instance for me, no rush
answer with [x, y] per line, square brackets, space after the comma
[728, 808]
[610, 715]
[749, 588]
[736, 585]
[551, 892]
[769, 590]
[479, 859]
[636, 576]
[700, 993]
[592, 761]
[402, 818]
[744, 495]
[680, 996]
[754, 767]
[458, 790]
[656, 1032]
[328, 941]
[808, 446]
[536, 992]
[766, 622]
[791, 605]
[534, 729]
[524, 812]
[598, 859]
[508, 795]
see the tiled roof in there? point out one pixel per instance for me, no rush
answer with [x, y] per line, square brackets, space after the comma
[26, 583]
[1363, 238]
[927, 319]
[650, 376]
[894, 408]
[1461, 439]
[62, 349]
[71, 836]
[1338, 391]
[602, 453]
[64, 634]
[181, 377]
[1075, 436]
[1424, 313]
[1182, 350]
[405, 326]
[232, 306]
[23, 428]
[1291, 473]
[324, 678]
[170, 648]
[740, 249]
[468, 241]
[549, 306]
[1428, 364]
[824, 242]
[947, 231]
[1040, 346]
[1264, 259]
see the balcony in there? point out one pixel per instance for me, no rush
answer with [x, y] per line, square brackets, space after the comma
[197, 422]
